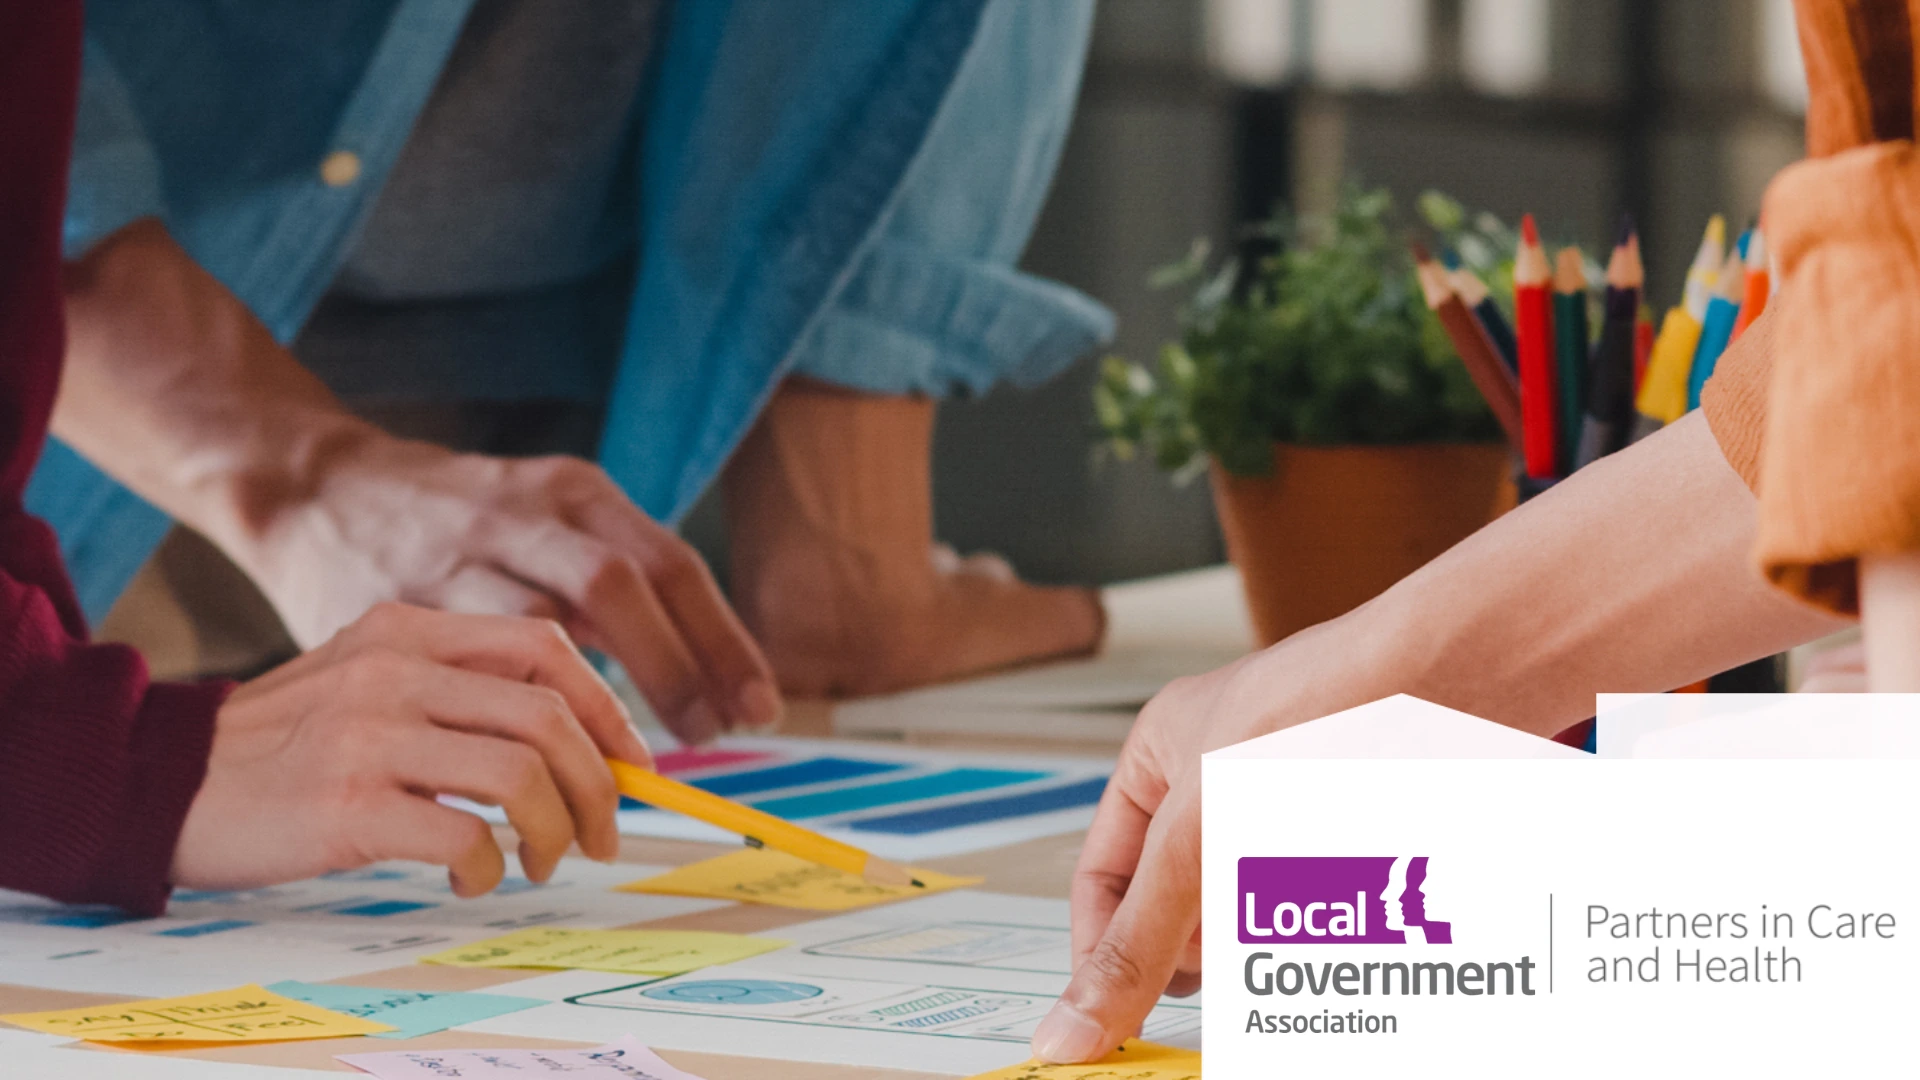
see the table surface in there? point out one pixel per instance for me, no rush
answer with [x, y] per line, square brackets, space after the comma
[1182, 624]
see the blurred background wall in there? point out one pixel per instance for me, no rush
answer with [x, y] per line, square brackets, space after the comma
[1197, 114]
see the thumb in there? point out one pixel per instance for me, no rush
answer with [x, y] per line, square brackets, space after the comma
[1123, 977]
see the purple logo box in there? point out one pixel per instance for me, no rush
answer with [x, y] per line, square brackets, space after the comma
[1337, 902]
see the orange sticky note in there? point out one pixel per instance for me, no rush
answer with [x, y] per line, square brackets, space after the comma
[243, 1014]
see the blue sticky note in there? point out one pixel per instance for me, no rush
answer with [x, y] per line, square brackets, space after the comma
[411, 1013]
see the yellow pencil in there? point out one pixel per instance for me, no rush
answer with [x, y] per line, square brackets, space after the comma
[759, 829]
[1663, 393]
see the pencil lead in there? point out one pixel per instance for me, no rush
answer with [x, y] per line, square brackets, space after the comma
[1450, 259]
[1420, 252]
[1570, 271]
[1626, 231]
[1716, 237]
[1530, 230]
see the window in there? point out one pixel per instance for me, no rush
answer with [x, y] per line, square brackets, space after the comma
[1369, 44]
[1252, 42]
[1783, 72]
[1506, 45]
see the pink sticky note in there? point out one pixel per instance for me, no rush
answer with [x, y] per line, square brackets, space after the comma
[624, 1059]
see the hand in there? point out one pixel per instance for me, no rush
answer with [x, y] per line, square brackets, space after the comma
[1136, 889]
[175, 388]
[333, 761]
[554, 538]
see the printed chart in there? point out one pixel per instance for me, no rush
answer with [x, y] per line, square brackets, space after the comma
[954, 983]
[897, 802]
[341, 924]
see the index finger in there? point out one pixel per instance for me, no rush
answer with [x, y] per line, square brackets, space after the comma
[1107, 863]
[1135, 958]
[520, 648]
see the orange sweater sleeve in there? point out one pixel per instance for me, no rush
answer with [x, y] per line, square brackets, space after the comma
[1840, 457]
[1818, 407]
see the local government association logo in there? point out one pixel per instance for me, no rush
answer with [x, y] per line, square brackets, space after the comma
[1337, 901]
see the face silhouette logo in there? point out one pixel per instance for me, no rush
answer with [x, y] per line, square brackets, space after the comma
[1379, 901]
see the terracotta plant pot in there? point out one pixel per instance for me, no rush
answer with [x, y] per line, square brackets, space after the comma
[1334, 527]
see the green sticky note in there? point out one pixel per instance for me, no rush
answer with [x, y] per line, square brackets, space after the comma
[411, 1013]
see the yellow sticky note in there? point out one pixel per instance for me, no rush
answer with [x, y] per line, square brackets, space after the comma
[1135, 1060]
[244, 1014]
[628, 952]
[760, 876]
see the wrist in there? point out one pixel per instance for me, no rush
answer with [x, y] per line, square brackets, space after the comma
[174, 388]
[267, 484]
[1341, 664]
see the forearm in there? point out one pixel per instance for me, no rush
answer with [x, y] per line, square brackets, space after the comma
[176, 390]
[1632, 576]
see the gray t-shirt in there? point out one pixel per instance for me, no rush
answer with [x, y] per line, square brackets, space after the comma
[493, 264]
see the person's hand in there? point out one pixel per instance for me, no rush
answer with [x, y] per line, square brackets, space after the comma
[552, 537]
[334, 760]
[176, 388]
[1136, 889]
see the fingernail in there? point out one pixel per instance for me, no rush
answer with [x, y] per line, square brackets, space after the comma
[1068, 1036]
[760, 704]
[699, 724]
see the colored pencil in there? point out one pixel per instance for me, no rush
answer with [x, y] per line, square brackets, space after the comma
[1477, 350]
[1759, 284]
[1572, 339]
[1643, 339]
[1473, 292]
[1716, 330]
[1533, 330]
[1609, 401]
[1663, 395]
[758, 828]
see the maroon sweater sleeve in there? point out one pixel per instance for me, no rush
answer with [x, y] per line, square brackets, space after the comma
[97, 764]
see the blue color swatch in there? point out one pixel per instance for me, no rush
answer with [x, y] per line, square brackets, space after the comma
[917, 822]
[380, 908]
[202, 929]
[936, 785]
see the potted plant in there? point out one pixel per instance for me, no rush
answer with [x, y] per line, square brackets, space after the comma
[1347, 445]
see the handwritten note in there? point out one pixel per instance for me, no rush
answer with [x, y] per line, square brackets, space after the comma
[1135, 1060]
[760, 876]
[244, 1014]
[629, 952]
[411, 1013]
[623, 1060]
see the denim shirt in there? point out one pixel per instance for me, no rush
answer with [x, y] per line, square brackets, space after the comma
[838, 188]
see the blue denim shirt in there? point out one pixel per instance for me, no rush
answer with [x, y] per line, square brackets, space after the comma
[838, 188]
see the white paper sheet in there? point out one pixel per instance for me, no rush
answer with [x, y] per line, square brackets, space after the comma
[951, 984]
[343, 924]
[623, 1059]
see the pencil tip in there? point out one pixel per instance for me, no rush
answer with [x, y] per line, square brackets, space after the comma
[1529, 230]
[1625, 235]
[1420, 252]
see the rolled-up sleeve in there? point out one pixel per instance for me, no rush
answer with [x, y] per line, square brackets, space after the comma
[935, 305]
[1840, 461]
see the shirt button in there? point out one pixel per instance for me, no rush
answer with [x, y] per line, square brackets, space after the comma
[342, 167]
